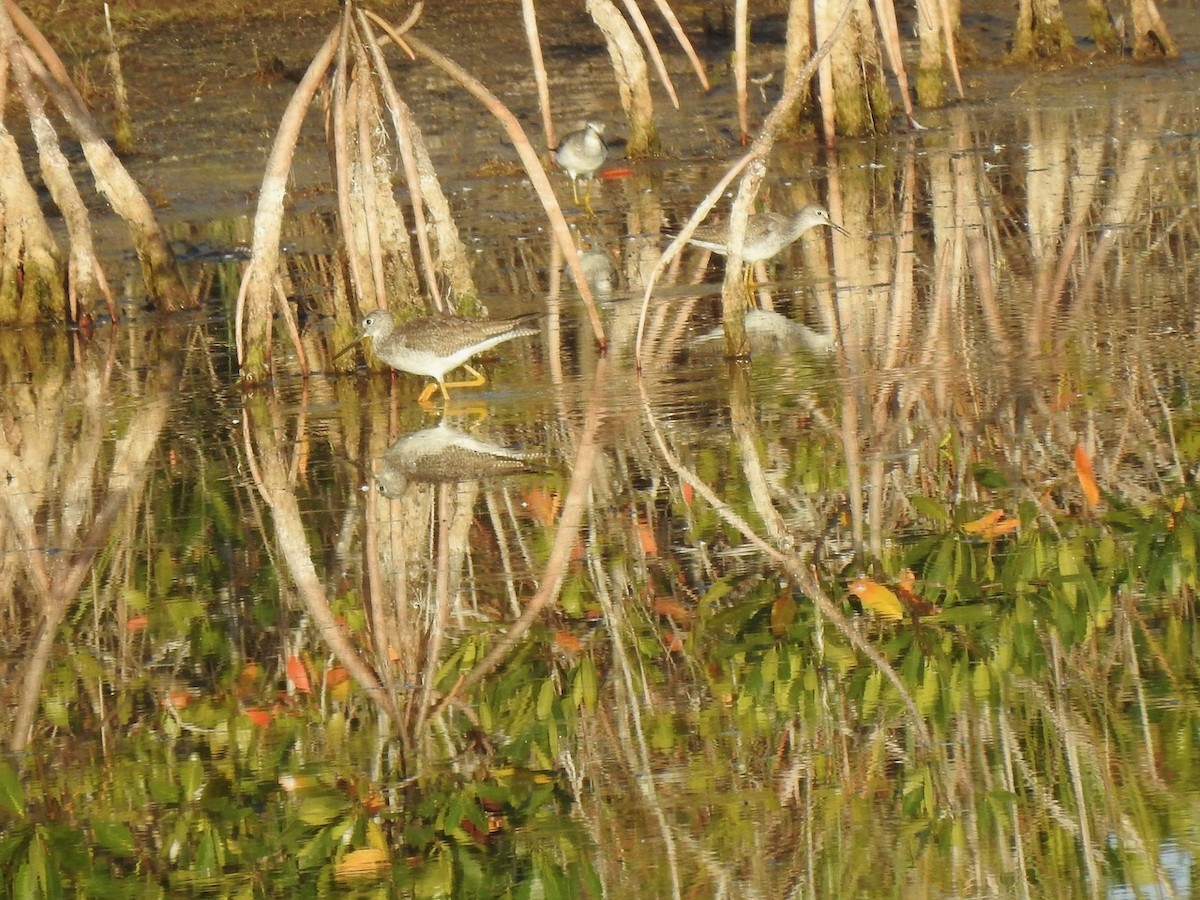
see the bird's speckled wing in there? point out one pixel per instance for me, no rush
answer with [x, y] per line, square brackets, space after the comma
[442, 334]
[759, 225]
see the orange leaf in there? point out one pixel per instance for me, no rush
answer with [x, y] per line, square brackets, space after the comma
[260, 717]
[646, 537]
[688, 492]
[877, 598]
[178, 698]
[137, 623]
[335, 675]
[609, 174]
[567, 642]
[992, 525]
[984, 522]
[1087, 478]
[297, 675]
[671, 639]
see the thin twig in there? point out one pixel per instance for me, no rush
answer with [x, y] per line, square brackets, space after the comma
[639, 22]
[667, 13]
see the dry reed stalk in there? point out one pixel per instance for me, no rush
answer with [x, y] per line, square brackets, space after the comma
[402, 126]
[85, 274]
[639, 22]
[741, 29]
[160, 273]
[529, 17]
[255, 294]
[633, 83]
[270, 478]
[533, 167]
[667, 13]
[681, 239]
[570, 520]
[825, 89]
[951, 52]
[885, 15]
[800, 574]
[364, 108]
[159, 270]
[30, 270]
[338, 134]
[122, 118]
[45, 51]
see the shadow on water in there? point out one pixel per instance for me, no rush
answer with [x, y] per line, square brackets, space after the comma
[600, 672]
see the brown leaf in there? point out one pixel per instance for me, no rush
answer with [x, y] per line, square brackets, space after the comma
[917, 606]
[672, 608]
[783, 614]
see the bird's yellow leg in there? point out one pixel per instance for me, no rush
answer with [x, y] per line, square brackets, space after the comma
[476, 382]
[575, 189]
[751, 299]
[428, 392]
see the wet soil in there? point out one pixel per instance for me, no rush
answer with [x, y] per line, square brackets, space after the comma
[209, 84]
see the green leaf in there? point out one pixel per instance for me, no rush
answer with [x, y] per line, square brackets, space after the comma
[164, 571]
[545, 700]
[135, 601]
[587, 674]
[930, 509]
[571, 597]
[12, 795]
[322, 806]
[115, 837]
[317, 851]
[988, 476]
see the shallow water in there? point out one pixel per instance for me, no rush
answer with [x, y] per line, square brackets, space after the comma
[704, 704]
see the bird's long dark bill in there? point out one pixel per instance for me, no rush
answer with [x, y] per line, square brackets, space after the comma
[834, 225]
[350, 346]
